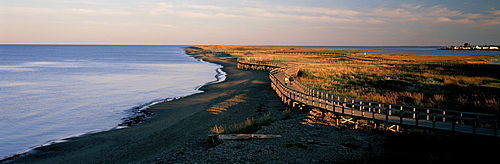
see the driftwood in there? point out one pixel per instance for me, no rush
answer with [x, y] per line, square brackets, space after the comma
[242, 136]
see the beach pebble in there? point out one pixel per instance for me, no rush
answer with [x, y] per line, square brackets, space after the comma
[312, 145]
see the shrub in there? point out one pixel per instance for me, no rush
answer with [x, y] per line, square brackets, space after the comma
[250, 125]
[217, 129]
[287, 114]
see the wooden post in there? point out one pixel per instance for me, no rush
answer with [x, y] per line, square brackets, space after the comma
[416, 118]
[461, 116]
[387, 115]
[361, 105]
[444, 114]
[453, 123]
[433, 120]
[427, 117]
[474, 126]
[373, 115]
[370, 107]
[333, 107]
[288, 104]
[352, 107]
[306, 98]
[361, 109]
[495, 128]
[343, 107]
[390, 111]
[312, 97]
[401, 117]
[325, 100]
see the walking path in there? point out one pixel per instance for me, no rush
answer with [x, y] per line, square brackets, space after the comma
[298, 93]
[281, 76]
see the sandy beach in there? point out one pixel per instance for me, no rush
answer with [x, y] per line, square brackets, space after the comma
[178, 132]
[174, 123]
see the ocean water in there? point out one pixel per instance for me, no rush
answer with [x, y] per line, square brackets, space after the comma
[50, 92]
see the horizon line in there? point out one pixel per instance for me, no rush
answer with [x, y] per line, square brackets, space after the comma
[102, 44]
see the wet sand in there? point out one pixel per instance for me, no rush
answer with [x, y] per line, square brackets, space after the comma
[174, 124]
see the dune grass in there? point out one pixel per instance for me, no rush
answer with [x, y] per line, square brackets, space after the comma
[396, 79]
[250, 125]
[446, 87]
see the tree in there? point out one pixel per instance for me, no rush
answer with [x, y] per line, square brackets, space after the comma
[466, 45]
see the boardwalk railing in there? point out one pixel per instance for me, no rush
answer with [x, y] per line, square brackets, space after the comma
[450, 120]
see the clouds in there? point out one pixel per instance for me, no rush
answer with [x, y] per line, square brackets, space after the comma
[233, 21]
[192, 10]
[493, 11]
[405, 12]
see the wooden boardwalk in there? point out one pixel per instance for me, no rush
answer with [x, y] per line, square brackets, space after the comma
[300, 94]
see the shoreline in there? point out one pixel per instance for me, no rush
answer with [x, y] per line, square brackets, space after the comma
[140, 113]
[167, 114]
[135, 115]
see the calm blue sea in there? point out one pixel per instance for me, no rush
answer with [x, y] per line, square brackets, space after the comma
[49, 92]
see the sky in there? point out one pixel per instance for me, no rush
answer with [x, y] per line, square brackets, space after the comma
[246, 22]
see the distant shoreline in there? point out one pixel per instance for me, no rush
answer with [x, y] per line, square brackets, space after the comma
[469, 47]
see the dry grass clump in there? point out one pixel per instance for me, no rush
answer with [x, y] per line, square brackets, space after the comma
[250, 125]
[317, 117]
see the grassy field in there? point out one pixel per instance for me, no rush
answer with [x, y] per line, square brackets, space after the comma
[397, 79]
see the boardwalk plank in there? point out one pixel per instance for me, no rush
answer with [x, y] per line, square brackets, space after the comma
[300, 93]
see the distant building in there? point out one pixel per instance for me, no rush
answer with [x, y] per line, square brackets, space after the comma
[471, 47]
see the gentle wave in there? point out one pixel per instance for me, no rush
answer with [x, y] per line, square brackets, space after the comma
[52, 92]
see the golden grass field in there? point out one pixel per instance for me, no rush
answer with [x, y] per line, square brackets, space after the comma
[397, 79]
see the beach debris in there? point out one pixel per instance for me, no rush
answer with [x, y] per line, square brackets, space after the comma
[138, 117]
[242, 136]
